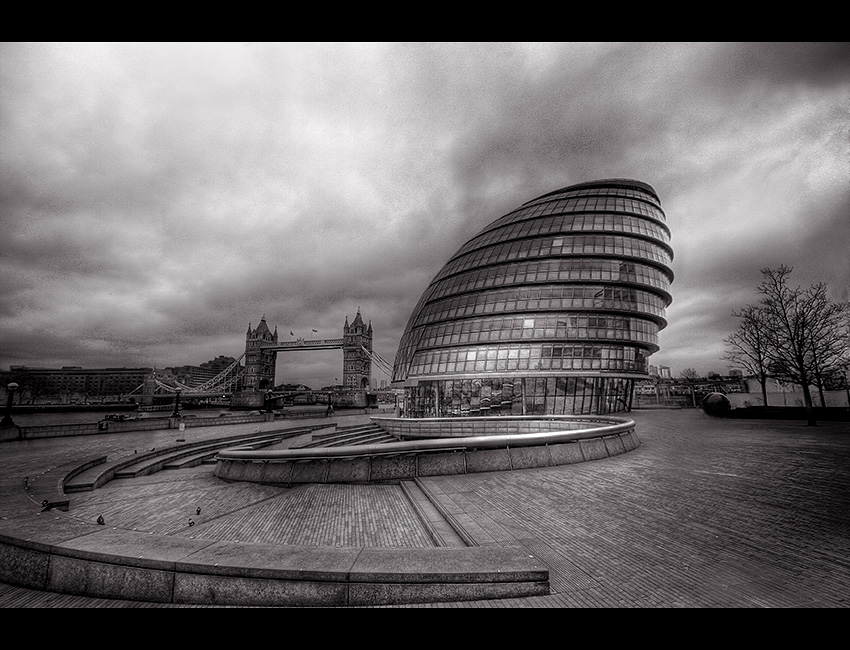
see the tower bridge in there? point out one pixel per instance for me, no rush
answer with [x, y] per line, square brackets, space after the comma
[251, 385]
[311, 344]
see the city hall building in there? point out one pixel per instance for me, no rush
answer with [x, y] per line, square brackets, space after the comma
[553, 308]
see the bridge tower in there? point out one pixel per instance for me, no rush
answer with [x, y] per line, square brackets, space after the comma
[356, 364]
[148, 388]
[260, 362]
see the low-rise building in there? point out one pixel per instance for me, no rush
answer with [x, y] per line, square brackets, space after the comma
[73, 384]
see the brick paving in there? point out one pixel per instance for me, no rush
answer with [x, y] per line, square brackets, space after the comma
[705, 513]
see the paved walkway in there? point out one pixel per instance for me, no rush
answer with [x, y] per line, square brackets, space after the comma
[705, 513]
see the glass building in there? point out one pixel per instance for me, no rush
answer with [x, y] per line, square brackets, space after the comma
[553, 308]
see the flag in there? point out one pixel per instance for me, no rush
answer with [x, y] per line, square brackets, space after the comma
[315, 330]
[290, 333]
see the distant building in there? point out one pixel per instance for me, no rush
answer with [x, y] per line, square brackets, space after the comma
[294, 388]
[71, 384]
[680, 392]
[196, 375]
[75, 384]
[646, 387]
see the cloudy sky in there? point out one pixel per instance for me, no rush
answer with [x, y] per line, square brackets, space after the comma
[157, 198]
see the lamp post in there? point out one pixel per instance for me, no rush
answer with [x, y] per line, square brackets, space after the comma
[7, 417]
[847, 384]
[176, 413]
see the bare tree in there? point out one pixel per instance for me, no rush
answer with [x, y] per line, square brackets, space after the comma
[830, 340]
[690, 375]
[747, 347]
[806, 338]
[34, 387]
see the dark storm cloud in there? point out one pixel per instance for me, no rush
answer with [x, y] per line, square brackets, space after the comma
[157, 198]
[784, 63]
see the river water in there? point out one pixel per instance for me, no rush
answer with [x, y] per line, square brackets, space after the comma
[83, 417]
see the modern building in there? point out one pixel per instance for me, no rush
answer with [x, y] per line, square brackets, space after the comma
[553, 308]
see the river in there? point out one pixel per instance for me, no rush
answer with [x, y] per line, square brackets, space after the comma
[81, 417]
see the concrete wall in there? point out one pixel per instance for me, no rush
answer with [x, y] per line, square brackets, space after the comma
[368, 463]
[833, 398]
[142, 424]
[100, 562]
[153, 424]
[409, 428]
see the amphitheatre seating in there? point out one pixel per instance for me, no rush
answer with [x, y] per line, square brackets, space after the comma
[467, 445]
[48, 489]
[194, 455]
[207, 456]
[359, 434]
[153, 460]
[69, 555]
[84, 558]
[74, 556]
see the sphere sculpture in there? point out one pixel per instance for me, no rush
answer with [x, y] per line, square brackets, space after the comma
[551, 309]
[716, 404]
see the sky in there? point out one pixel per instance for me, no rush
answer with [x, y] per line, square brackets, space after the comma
[157, 198]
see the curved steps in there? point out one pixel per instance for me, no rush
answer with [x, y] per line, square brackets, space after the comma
[155, 459]
[360, 434]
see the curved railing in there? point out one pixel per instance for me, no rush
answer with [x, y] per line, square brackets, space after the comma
[564, 440]
[431, 426]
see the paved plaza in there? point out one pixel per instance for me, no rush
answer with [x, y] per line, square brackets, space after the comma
[705, 513]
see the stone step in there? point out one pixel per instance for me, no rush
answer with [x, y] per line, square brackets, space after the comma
[364, 438]
[208, 456]
[148, 461]
[350, 430]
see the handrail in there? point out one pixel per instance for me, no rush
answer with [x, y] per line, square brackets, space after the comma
[611, 426]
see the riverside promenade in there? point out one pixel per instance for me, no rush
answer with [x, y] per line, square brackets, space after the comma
[705, 513]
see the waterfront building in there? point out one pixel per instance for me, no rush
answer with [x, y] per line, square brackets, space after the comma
[196, 375]
[78, 385]
[553, 308]
[73, 384]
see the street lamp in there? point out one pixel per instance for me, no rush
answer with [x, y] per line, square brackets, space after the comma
[176, 413]
[7, 418]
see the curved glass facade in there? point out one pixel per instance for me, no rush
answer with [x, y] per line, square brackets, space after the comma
[553, 308]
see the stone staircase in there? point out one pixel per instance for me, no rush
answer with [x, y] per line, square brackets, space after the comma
[358, 434]
[150, 461]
